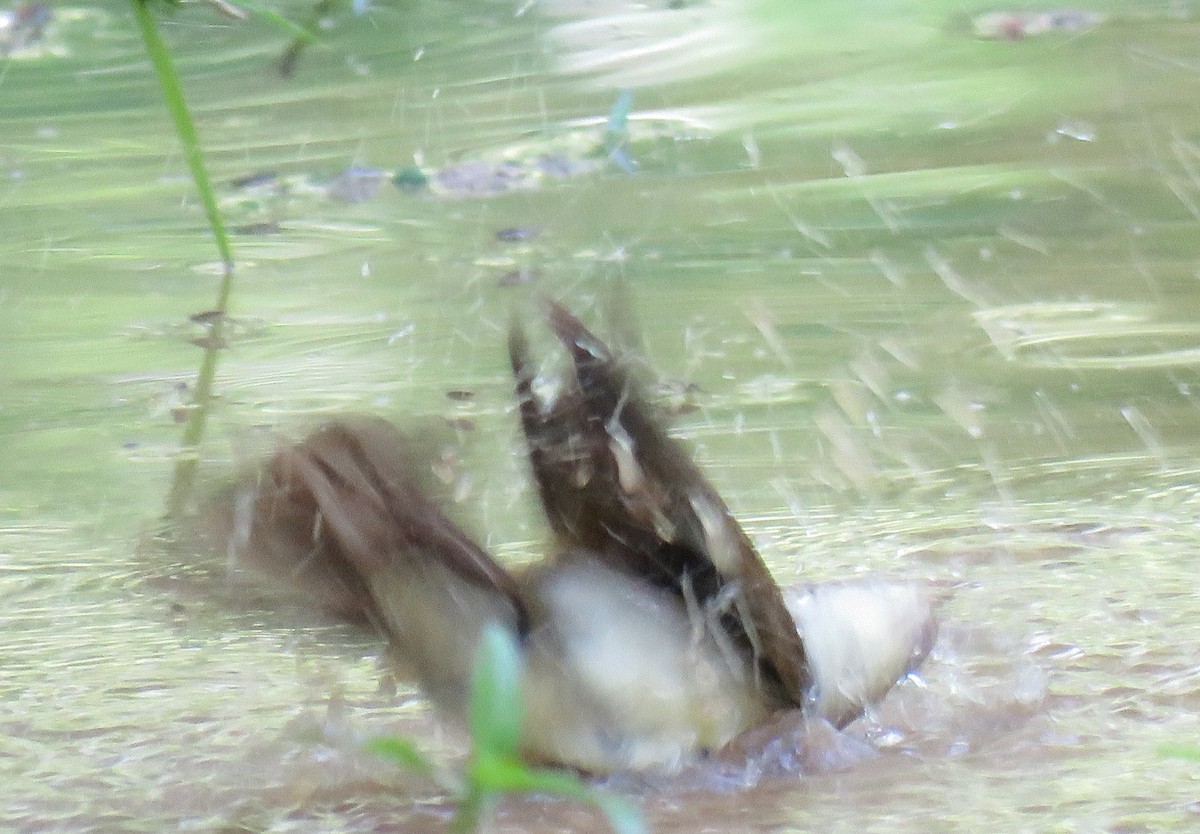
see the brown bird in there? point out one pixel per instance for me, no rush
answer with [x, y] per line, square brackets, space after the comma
[652, 636]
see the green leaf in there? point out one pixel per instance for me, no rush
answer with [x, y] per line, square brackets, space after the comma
[496, 710]
[490, 776]
[401, 751]
[472, 808]
[511, 775]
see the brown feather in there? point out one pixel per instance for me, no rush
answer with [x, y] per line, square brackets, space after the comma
[343, 516]
[612, 482]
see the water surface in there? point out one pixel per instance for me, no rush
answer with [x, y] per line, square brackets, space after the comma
[936, 293]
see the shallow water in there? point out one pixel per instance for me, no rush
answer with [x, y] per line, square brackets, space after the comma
[937, 295]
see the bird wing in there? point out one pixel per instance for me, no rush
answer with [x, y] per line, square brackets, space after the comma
[613, 483]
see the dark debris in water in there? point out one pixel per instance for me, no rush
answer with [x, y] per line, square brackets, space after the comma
[517, 234]
[477, 177]
[266, 193]
[527, 165]
[259, 229]
[207, 316]
[459, 423]
[357, 184]
[210, 342]
[1019, 24]
[519, 277]
[410, 178]
[259, 179]
[24, 26]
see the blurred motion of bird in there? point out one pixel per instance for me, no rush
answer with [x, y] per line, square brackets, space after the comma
[651, 636]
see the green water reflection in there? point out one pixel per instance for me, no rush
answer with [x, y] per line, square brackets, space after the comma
[937, 293]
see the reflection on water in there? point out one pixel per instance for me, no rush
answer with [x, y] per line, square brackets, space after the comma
[930, 300]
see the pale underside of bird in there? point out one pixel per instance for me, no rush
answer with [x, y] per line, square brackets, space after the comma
[653, 634]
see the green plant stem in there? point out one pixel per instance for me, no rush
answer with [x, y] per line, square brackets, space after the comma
[306, 34]
[473, 807]
[185, 128]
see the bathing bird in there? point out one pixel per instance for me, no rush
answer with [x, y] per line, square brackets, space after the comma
[652, 634]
